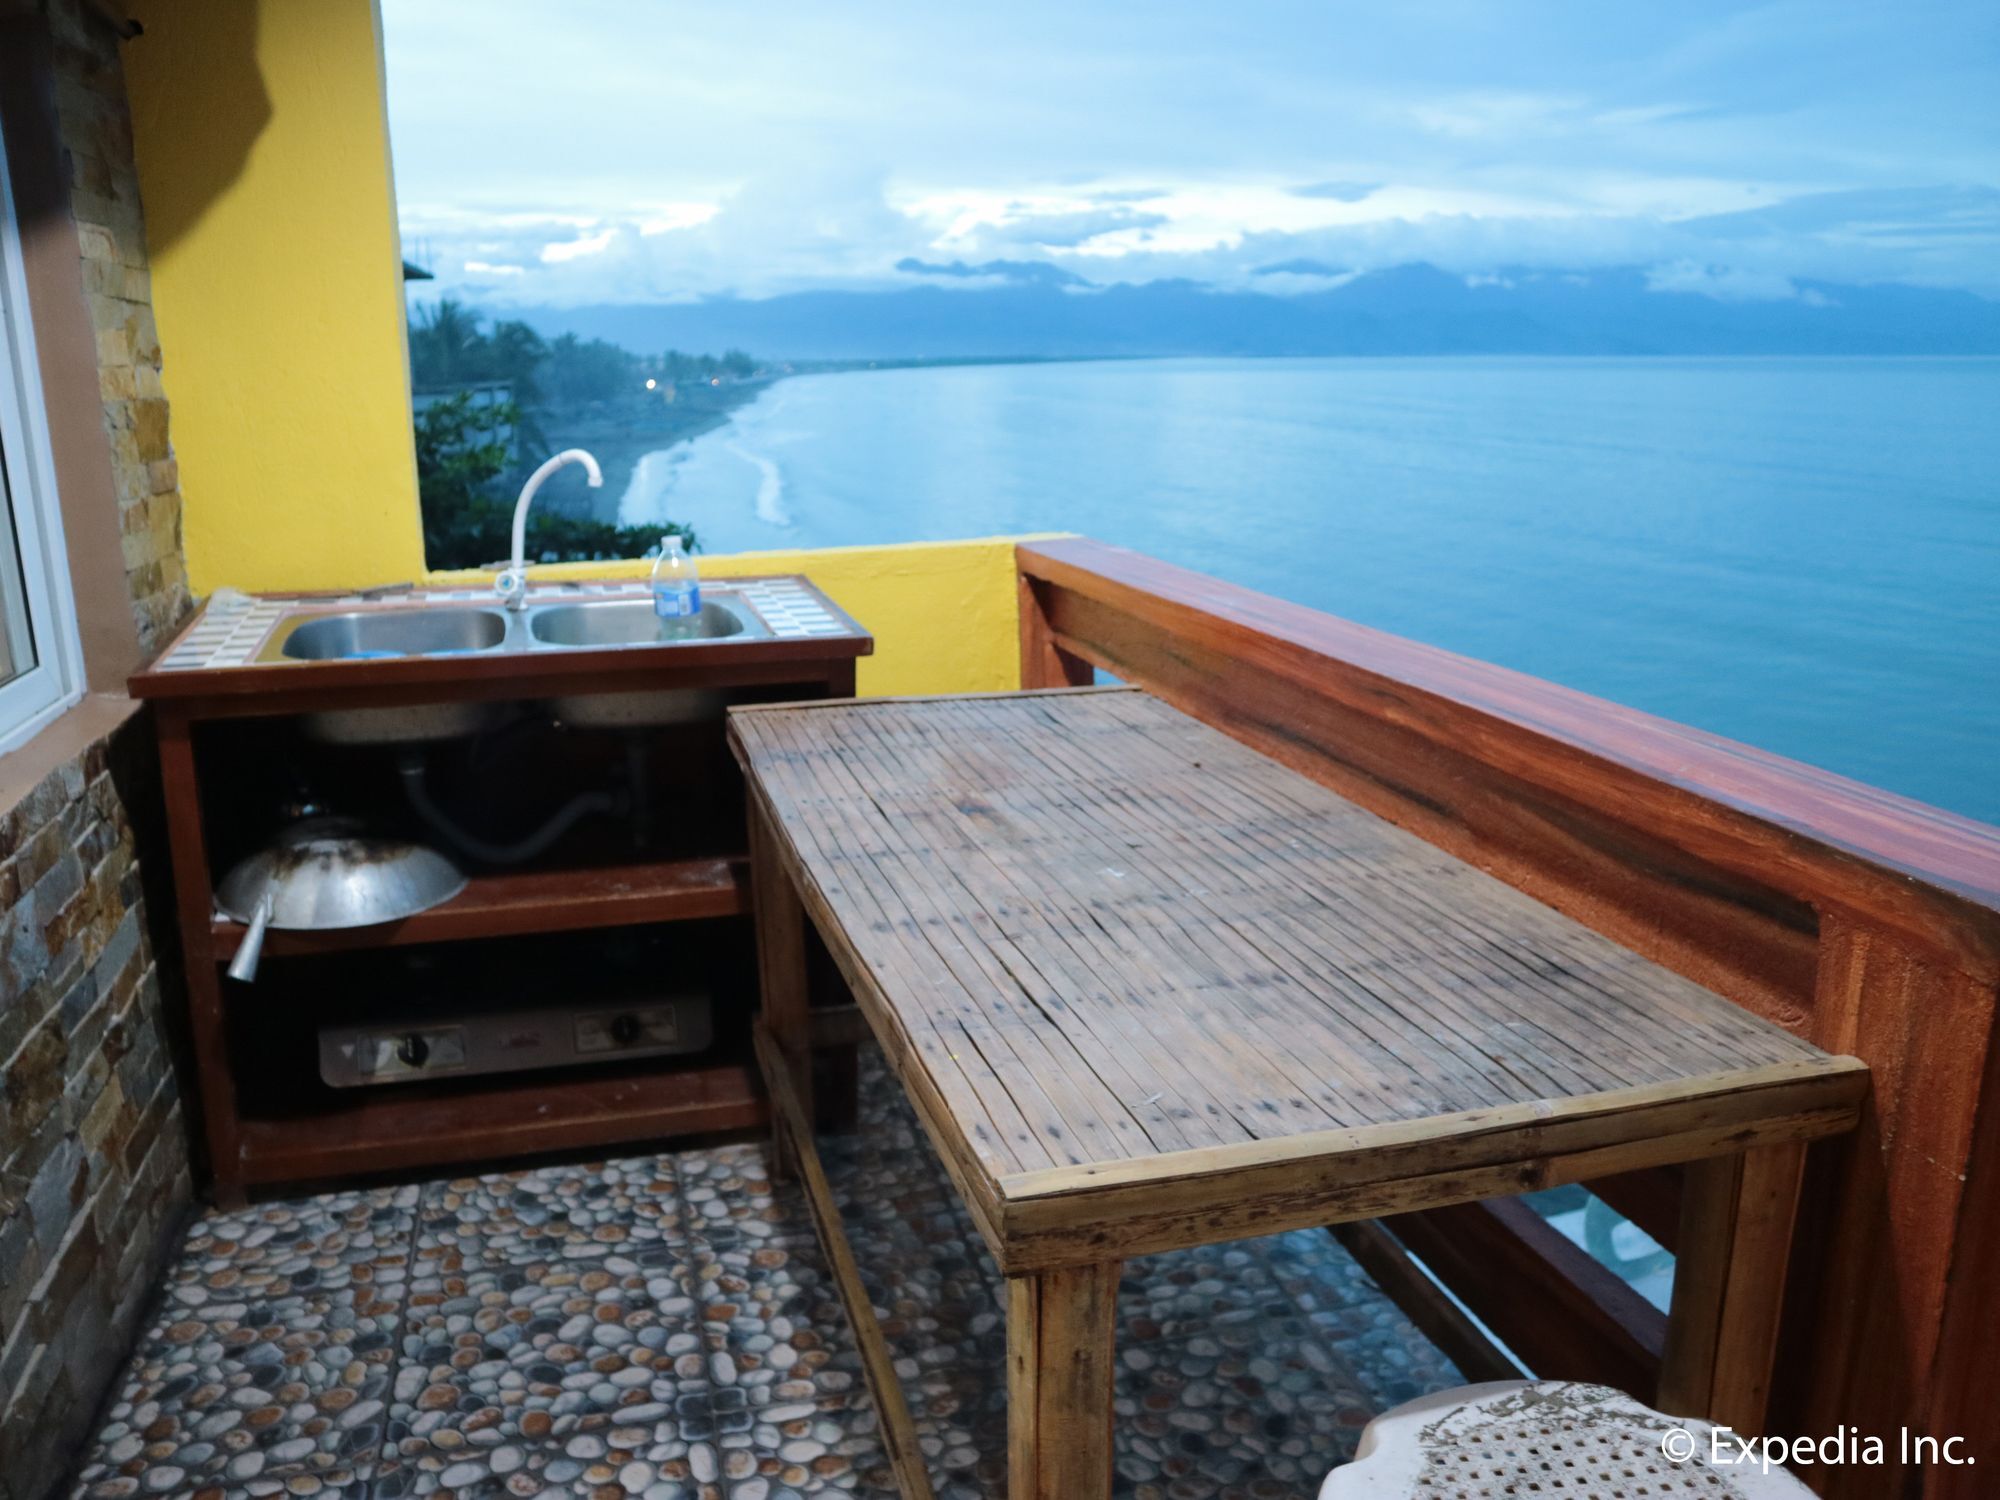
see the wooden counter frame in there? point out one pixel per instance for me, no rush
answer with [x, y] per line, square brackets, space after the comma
[1863, 921]
[508, 1115]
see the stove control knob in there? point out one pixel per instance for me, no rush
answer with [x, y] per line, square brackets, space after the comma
[624, 1030]
[412, 1050]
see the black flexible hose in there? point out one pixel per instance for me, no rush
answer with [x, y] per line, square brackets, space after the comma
[565, 818]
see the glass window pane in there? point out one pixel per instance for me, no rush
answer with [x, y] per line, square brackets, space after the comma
[17, 640]
[39, 651]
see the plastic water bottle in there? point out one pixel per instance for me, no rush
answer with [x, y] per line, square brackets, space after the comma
[676, 585]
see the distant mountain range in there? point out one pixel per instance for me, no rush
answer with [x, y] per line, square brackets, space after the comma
[994, 311]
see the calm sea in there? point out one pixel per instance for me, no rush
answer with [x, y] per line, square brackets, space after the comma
[1800, 553]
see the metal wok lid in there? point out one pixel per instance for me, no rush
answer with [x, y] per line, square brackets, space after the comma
[325, 873]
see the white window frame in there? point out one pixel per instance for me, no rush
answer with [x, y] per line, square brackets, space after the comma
[29, 701]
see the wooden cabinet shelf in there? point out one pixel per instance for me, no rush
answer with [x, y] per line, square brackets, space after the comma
[534, 901]
[235, 753]
[389, 1129]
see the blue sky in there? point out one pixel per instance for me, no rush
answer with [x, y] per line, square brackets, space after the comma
[633, 150]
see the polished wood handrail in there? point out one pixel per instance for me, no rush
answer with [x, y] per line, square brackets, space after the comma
[1862, 920]
[1812, 834]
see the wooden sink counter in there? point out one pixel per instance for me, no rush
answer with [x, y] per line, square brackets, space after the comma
[215, 658]
[221, 686]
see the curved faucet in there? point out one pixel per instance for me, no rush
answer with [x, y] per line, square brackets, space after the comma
[512, 585]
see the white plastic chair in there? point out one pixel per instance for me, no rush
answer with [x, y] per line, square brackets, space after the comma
[1548, 1439]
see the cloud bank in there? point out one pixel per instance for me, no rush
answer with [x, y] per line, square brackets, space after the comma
[782, 240]
[1735, 150]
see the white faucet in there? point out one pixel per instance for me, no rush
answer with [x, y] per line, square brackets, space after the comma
[512, 585]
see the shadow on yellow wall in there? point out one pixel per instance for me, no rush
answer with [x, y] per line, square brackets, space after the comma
[262, 143]
[214, 130]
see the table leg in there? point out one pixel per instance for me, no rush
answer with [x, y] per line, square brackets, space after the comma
[840, 1089]
[781, 972]
[1737, 1216]
[836, 1060]
[1060, 1329]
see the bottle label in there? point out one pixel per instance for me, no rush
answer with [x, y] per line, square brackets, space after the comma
[677, 604]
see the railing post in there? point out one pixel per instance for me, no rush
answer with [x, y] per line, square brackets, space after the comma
[1044, 664]
[1877, 1342]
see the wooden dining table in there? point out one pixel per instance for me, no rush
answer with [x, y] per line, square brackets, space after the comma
[1148, 989]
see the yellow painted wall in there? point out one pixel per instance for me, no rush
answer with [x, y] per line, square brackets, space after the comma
[263, 152]
[261, 133]
[944, 614]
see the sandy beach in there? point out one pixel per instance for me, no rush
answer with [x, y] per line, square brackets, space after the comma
[622, 434]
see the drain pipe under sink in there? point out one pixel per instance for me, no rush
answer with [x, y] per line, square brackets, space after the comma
[566, 817]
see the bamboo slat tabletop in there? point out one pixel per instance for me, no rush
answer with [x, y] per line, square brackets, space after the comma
[1111, 941]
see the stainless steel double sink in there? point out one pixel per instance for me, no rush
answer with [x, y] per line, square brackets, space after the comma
[447, 630]
[459, 630]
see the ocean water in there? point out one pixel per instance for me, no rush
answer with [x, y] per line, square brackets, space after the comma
[1800, 553]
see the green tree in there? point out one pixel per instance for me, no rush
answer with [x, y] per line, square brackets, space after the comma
[515, 354]
[441, 344]
[577, 371]
[448, 348]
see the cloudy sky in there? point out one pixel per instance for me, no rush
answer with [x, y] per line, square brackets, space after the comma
[657, 150]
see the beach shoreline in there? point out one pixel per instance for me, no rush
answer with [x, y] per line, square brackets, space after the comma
[623, 436]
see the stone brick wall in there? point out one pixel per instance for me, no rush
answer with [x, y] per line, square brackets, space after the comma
[104, 194]
[93, 1149]
[94, 1171]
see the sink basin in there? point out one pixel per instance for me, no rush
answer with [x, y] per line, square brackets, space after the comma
[361, 634]
[447, 630]
[631, 622]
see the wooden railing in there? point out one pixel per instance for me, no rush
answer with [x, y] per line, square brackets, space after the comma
[1863, 921]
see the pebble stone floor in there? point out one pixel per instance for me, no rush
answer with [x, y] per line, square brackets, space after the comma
[665, 1327]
